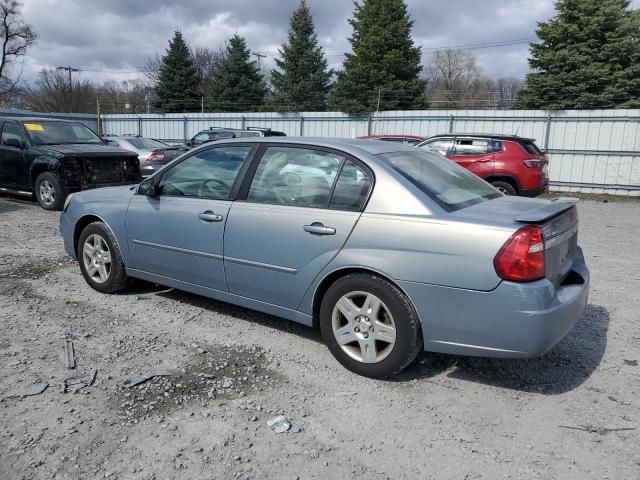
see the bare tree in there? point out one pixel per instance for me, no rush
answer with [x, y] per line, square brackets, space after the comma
[53, 93]
[454, 79]
[127, 96]
[17, 36]
[504, 91]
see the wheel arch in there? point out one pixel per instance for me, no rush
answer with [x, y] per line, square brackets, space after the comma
[503, 177]
[82, 223]
[40, 165]
[331, 277]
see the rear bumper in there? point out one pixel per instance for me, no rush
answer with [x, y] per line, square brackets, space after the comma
[517, 320]
[534, 192]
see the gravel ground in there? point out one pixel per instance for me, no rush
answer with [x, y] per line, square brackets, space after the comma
[224, 372]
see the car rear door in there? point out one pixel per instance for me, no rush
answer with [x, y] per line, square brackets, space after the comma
[294, 214]
[474, 154]
[178, 232]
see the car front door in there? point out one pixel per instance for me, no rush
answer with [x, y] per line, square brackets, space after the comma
[291, 219]
[14, 172]
[176, 228]
[474, 154]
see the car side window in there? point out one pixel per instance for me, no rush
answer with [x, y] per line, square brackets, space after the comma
[441, 146]
[352, 188]
[469, 146]
[11, 130]
[298, 177]
[207, 174]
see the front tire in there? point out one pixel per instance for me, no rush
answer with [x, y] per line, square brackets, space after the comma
[370, 326]
[100, 259]
[49, 191]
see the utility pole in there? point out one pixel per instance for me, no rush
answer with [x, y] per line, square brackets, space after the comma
[69, 69]
[98, 116]
[379, 94]
[259, 56]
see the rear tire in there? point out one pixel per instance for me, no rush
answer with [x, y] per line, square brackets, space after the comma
[369, 325]
[49, 191]
[505, 187]
[100, 259]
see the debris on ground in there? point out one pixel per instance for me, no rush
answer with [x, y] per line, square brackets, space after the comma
[279, 424]
[632, 363]
[146, 377]
[596, 430]
[4, 344]
[345, 394]
[77, 383]
[35, 389]
[69, 354]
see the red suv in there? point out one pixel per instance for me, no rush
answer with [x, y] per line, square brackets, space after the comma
[512, 164]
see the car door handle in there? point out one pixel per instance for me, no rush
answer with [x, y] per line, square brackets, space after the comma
[209, 216]
[317, 228]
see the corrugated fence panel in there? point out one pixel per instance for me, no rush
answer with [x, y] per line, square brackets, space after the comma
[589, 150]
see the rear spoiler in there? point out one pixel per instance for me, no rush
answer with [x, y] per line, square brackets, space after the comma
[545, 212]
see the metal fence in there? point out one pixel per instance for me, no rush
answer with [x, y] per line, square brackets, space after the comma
[590, 150]
[89, 119]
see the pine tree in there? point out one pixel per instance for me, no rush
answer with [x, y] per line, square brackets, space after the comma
[237, 85]
[303, 80]
[177, 87]
[384, 64]
[589, 57]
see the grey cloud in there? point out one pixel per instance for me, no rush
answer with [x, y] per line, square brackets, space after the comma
[118, 34]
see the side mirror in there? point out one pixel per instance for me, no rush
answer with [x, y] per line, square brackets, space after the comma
[14, 142]
[149, 187]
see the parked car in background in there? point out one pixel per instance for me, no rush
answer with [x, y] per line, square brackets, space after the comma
[388, 248]
[53, 158]
[222, 133]
[406, 139]
[152, 154]
[512, 164]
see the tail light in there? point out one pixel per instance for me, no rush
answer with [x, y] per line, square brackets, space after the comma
[534, 163]
[521, 258]
[155, 157]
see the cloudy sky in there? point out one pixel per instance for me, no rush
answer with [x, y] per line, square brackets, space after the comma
[113, 38]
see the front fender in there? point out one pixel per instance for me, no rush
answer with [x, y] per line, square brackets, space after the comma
[43, 163]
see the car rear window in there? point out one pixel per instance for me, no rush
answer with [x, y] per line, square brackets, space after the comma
[531, 147]
[448, 184]
[146, 143]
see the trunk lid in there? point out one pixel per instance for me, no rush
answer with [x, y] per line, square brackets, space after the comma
[558, 219]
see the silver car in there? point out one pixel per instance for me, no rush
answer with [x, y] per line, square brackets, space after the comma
[389, 249]
[152, 154]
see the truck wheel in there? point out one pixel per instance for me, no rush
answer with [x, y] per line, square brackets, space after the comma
[49, 192]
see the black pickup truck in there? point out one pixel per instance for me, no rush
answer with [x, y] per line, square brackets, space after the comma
[52, 158]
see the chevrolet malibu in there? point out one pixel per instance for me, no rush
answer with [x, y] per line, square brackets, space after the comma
[389, 249]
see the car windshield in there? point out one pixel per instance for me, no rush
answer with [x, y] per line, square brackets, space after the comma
[147, 143]
[450, 185]
[58, 133]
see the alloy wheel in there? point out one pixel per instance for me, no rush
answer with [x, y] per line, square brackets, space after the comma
[47, 192]
[363, 327]
[96, 257]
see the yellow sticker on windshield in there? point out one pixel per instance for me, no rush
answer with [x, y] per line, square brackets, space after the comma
[34, 127]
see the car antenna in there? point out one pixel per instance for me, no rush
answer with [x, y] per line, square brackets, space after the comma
[517, 130]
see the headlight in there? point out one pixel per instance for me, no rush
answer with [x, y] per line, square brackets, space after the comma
[67, 201]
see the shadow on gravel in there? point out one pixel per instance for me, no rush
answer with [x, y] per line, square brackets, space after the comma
[143, 289]
[8, 205]
[562, 369]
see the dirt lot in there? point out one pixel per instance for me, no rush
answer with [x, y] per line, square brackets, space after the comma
[572, 414]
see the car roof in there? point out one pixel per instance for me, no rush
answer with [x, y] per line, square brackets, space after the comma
[492, 136]
[350, 145]
[36, 119]
[400, 135]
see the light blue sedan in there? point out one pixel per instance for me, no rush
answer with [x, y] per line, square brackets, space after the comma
[387, 248]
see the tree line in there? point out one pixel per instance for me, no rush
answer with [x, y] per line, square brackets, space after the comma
[586, 57]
